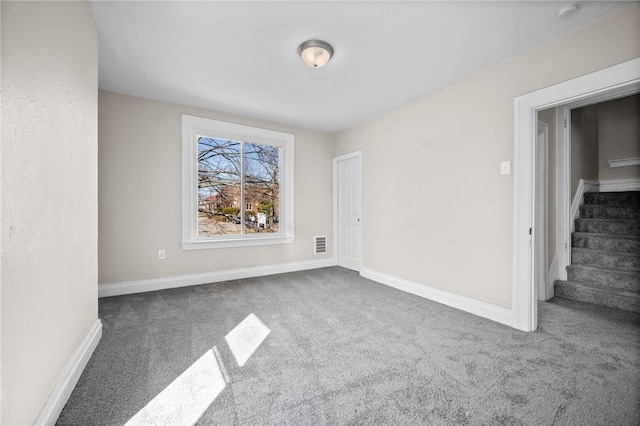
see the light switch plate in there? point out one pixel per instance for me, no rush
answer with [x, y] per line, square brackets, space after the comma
[505, 168]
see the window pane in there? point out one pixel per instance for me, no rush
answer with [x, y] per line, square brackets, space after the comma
[219, 182]
[262, 187]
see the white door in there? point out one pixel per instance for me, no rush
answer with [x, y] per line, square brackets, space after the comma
[349, 206]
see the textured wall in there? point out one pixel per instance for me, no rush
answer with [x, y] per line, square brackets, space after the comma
[49, 197]
[140, 194]
[437, 160]
[584, 145]
[602, 132]
[619, 136]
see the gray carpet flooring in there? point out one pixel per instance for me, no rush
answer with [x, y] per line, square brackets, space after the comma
[343, 350]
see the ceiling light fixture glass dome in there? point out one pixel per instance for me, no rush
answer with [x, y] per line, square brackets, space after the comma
[315, 53]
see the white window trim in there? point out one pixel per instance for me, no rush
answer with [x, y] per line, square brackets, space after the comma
[194, 126]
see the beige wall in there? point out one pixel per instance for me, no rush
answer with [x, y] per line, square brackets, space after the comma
[49, 201]
[140, 194]
[437, 159]
[602, 132]
[584, 146]
[549, 116]
[1, 120]
[618, 136]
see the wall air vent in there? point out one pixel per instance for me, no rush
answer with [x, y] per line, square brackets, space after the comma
[320, 245]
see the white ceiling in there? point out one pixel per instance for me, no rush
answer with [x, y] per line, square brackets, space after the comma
[241, 57]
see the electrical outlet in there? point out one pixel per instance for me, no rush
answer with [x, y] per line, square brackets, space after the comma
[162, 254]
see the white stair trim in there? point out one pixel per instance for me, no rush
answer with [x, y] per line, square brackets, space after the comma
[619, 185]
[578, 199]
[61, 392]
[162, 283]
[467, 304]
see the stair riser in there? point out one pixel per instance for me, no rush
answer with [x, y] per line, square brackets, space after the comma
[605, 279]
[610, 212]
[608, 227]
[619, 244]
[612, 198]
[597, 297]
[605, 260]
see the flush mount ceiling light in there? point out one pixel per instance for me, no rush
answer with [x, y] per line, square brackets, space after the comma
[567, 11]
[315, 53]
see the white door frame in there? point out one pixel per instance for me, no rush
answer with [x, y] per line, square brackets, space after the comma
[336, 160]
[563, 190]
[618, 81]
[541, 271]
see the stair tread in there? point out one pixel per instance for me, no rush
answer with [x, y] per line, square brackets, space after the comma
[616, 236]
[609, 259]
[607, 220]
[608, 226]
[624, 300]
[607, 252]
[630, 206]
[620, 243]
[606, 206]
[596, 268]
[616, 291]
[614, 194]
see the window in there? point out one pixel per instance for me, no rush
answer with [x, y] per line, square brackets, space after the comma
[237, 184]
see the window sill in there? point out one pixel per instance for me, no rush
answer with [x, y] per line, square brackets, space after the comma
[237, 242]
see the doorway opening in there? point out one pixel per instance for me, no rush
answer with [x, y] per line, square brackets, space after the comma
[601, 142]
[616, 81]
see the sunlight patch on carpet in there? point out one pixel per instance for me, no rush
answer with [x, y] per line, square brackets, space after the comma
[185, 400]
[246, 337]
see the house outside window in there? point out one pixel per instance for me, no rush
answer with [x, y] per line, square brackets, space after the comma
[237, 185]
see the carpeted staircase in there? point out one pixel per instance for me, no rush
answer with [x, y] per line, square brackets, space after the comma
[605, 254]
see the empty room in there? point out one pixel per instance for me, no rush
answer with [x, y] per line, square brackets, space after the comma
[320, 213]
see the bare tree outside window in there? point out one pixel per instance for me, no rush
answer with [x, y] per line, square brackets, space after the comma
[238, 187]
[261, 188]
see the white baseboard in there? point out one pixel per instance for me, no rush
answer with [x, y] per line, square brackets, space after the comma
[58, 398]
[618, 185]
[467, 304]
[141, 286]
[554, 274]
